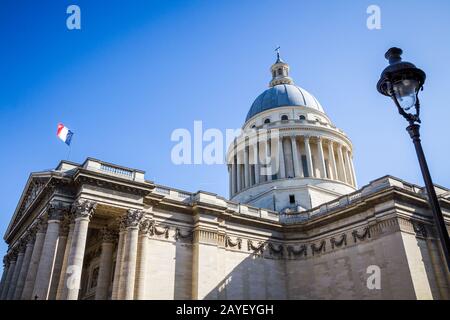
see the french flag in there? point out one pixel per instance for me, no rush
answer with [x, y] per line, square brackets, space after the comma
[64, 133]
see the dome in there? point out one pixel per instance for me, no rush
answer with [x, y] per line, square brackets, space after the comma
[283, 95]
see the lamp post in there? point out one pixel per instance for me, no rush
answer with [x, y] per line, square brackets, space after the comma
[402, 81]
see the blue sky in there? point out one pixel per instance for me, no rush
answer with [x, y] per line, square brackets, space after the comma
[139, 69]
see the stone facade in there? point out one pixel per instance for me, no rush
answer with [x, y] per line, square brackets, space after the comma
[101, 231]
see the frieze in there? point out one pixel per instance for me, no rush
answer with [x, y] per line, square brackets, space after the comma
[154, 230]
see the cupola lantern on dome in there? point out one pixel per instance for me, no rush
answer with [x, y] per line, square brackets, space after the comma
[280, 72]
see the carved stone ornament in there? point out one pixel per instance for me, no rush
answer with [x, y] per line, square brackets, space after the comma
[419, 229]
[302, 251]
[144, 226]
[339, 243]
[41, 225]
[153, 230]
[230, 244]
[259, 248]
[318, 249]
[57, 210]
[83, 208]
[179, 235]
[132, 218]
[276, 250]
[108, 235]
[362, 236]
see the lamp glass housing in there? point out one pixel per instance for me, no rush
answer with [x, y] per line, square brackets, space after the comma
[405, 91]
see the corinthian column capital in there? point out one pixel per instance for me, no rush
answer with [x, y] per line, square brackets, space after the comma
[132, 218]
[83, 208]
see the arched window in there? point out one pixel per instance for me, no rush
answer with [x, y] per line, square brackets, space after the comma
[267, 120]
[302, 117]
[253, 126]
[284, 117]
[280, 71]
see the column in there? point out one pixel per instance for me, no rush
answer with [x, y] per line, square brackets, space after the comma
[64, 230]
[15, 276]
[256, 161]
[106, 256]
[321, 158]
[233, 177]
[295, 157]
[61, 293]
[119, 260]
[12, 265]
[83, 210]
[40, 228]
[342, 164]
[30, 238]
[282, 168]
[347, 168]
[334, 170]
[239, 173]
[269, 166]
[352, 167]
[41, 290]
[131, 222]
[309, 163]
[142, 268]
[246, 167]
[4, 275]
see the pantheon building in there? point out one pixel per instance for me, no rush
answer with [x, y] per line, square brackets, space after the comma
[296, 224]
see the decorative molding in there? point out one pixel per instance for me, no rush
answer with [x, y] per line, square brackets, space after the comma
[302, 251]
[339, 243]
[321, 248]
[259, 248]
[229, 243]
[361, 237]
[144, 226]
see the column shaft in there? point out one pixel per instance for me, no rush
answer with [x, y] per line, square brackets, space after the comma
[342, 165]
[295, 157]
[118, 266]
[46, 262]
[58, 266]
[33, 268]
[129, 263]
[334, 170]
[246, 168]
[309, 163]
[355, 183]
[61, 293]
[9, 275]
[24, 269]
[256, 161]
[233, 177]
[323, 170]
[76, 257]
[141, 270]
[104, 274]
[4, 275]
[15, 276]
[282, 167]
[239, 175]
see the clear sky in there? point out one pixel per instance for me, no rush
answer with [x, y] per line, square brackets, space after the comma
[139, 69]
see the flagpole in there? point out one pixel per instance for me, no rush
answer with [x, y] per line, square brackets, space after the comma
[68, 154]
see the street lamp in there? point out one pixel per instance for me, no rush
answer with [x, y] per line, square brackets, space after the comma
[402, 81]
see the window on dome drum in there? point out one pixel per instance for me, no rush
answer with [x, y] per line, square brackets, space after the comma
[284, 118]
[302, 117]
[291, 198]
[267, 121]
[253, 126]
[280, 72]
